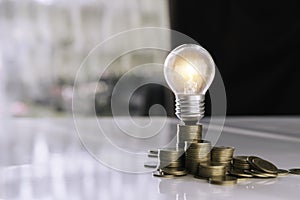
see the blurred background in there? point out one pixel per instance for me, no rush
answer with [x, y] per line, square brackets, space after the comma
[43, 42]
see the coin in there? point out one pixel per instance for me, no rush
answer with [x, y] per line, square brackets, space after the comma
[150, 164]
[262, 164]
[295, 171]
[191, 133]
[177, 172]
[226, 180]
[240, 173]
[261, 174]
[161, 174]
[196, 153]
[282, 172]
[209, 171]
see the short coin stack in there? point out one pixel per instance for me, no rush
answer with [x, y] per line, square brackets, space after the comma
[171, 163]
[210, 171]
[189, 133]
[222, 156]
[196, 153]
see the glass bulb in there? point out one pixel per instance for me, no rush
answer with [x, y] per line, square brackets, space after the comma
[189, 71]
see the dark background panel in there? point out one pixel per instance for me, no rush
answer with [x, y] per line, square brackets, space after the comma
[255, 45]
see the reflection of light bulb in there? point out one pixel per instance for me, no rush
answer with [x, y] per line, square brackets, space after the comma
[189, 71]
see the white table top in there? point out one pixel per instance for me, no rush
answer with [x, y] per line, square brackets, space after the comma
[44, 159]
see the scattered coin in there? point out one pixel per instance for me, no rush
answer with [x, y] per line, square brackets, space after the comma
[240, 173]
[261, 174]
[282, 172]
[262, 165]
[295, 171]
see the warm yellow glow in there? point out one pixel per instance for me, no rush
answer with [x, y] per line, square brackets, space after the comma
[193, 81]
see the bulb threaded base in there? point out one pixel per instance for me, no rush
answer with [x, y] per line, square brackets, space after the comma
[190, 108]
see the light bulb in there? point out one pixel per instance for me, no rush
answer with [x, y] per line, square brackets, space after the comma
[189, 71]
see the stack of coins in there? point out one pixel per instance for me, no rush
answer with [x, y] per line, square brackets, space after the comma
[222, 156]
[211, 171]
[240, 162]
[171, 163]
[252, 166]
[192, 155]
[196, 153]
[190, 133]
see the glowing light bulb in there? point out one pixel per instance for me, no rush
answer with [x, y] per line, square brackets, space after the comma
[189, 71]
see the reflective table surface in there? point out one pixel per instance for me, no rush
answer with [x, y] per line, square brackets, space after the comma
[103, 159]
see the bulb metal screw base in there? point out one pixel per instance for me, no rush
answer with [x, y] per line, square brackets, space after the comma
[190, 108]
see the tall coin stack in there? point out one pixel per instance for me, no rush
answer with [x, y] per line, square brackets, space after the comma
[171, 162]
[196, 154]
[222, 156]
[189, 133]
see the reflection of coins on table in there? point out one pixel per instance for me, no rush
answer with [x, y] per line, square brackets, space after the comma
[224, 180]
[295, 171]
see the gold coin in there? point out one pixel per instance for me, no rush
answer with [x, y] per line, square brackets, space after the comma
[262, 164]
[282, 172]
[241, 158]
[240, 173]
[160, 174]
[295, 171]
[180, 172]
[225, 180]
[261, 174]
